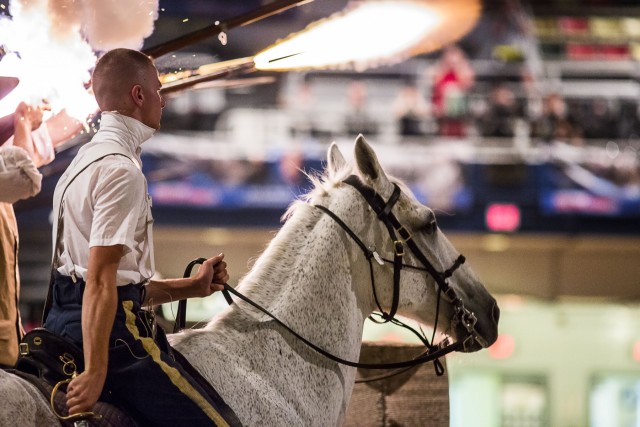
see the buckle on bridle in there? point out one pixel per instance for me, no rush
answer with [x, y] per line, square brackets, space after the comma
[467, 318]
[468, 342]
[444, 343]
[404, 233]
[398, 247]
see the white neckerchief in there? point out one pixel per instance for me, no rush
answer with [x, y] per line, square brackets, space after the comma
[118, 127]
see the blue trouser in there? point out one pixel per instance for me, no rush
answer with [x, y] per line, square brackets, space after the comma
[143, 376]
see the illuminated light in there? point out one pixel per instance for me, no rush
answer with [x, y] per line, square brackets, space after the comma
[503, 217]
[636, 351]
[391, 338]
[612, 149]
[496, 243]
[52, 64]
[372, 34]
[50, 47]
[511, 302]
[177, 81]
[503, 348]
[365, 35]
[217, 237]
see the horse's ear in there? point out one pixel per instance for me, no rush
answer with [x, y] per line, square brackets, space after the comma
[335, 159]
[367, 160]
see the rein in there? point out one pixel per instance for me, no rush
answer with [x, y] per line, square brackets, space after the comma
[427, 356]
[432, 354]
[395, 229]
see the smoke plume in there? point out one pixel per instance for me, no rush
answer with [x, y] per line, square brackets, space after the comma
[51, 46]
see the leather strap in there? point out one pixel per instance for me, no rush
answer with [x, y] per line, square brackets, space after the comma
[181, 315]
[79, 165]
[429, 355]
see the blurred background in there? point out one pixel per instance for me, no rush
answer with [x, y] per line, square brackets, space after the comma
[524, 136]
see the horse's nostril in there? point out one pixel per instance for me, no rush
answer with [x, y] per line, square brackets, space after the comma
[495, 312]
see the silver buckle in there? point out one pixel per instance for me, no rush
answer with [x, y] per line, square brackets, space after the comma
[24, 349]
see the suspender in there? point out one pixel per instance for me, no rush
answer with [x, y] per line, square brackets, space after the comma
[91, 155]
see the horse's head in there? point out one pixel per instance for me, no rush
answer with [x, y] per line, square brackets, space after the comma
[400, 230]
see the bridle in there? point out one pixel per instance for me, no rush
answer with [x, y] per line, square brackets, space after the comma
[399, 236]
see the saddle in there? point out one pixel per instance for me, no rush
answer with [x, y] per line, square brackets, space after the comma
[49, 362]
[49, 356]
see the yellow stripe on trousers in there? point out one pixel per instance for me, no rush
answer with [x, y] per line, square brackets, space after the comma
[174, 375]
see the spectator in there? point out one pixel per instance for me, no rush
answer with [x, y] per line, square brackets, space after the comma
[301, 110]
[556, 123]
[358, 119]
[501, 114]
[411, 111]
[451, 78]
[598, 121]
[629, 127]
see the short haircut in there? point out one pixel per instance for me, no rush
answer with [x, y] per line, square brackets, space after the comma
[116, 71]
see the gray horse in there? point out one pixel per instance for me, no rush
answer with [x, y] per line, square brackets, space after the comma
[315, 279]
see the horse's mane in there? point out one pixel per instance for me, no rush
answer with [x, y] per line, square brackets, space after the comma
[322, 183]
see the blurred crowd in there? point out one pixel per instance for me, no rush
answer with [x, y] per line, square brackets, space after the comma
[457, 107]
[447, 98]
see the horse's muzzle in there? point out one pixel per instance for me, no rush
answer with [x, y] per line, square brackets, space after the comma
[482, 334]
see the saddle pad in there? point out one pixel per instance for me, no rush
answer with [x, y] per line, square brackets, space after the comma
[111, 415]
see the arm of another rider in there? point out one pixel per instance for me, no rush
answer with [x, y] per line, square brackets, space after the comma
[211, 277]
[62, 127]
[25, 119]
[99, 305]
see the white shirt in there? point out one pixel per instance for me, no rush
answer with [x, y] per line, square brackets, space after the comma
[19, 178]
[107, 204]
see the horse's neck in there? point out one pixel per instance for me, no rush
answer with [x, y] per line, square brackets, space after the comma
[306, 279]
[309, 278]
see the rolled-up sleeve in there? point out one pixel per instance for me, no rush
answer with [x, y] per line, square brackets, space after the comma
[19, 177]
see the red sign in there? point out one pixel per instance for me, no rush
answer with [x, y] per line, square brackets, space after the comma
[503, 217]
[503, 348]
